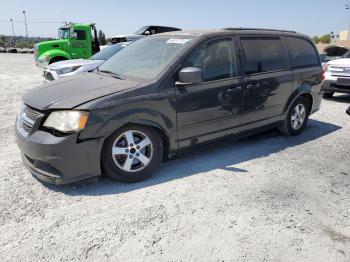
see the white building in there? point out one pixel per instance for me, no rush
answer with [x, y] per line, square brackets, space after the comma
[344, 35]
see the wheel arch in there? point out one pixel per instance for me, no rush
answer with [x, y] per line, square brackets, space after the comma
[162, 132]
[300, 92]
[55, 53]
[146, 123]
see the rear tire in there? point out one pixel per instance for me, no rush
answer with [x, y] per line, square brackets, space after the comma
[328, 94]
[132, 153]
[296, 118]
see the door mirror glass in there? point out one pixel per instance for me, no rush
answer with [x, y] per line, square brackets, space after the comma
[190, 75]
[147, 33]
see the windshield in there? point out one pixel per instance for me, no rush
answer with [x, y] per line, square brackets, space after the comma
[141, 30]
[108, 52]
[146, 58]
[63, 33]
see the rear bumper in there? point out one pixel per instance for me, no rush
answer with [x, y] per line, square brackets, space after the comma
[60, 160]
[330, 86]
[317, 100]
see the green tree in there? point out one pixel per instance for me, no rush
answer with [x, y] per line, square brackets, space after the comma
[102, 38]
[326, 39]
[316, 39]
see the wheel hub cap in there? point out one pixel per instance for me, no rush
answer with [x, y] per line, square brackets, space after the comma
[298, 117]
[132, 151]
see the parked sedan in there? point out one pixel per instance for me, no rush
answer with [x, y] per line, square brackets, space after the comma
[65, 68]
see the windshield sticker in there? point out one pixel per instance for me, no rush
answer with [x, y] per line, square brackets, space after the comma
[177, 41]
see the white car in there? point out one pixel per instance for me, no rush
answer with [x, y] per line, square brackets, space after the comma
[336, 77]
[65, 68]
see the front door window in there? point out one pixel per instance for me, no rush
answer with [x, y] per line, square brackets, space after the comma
[216, 59]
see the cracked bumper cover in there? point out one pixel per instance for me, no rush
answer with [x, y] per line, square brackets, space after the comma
[60, 160]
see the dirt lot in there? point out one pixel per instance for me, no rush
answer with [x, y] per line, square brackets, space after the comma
[266, 198]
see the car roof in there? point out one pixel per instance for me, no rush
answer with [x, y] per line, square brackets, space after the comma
[162, 26]
[233, 31]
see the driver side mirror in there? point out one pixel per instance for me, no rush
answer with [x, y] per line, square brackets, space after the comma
[189, 76]
[147, 33]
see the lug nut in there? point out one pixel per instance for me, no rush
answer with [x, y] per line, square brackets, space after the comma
[131, 145]
[137, 154]
[138, 147]
[130, 156]
[126, 150]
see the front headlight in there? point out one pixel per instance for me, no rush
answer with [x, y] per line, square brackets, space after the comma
[67, 121]
[67, 70]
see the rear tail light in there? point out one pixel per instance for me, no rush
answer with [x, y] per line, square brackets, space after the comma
[324, 70]
[323, 74]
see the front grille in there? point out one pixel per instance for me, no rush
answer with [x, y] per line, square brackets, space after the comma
[48, 76]
[26, 127]
[31, 113]
[27, 118]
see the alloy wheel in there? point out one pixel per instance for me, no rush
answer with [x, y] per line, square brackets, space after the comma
[132, 151]
[298, 116]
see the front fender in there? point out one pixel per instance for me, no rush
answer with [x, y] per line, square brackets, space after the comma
[110, 114]
[145, 116]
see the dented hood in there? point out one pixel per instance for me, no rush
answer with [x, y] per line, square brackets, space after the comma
[73, 91]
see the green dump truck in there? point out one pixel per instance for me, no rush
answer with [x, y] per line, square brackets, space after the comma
[75, 41]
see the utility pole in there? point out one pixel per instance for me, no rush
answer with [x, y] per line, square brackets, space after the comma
[25, 23]
[13, 33]
[347, 7]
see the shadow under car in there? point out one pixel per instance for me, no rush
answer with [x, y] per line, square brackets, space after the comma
[221, 155]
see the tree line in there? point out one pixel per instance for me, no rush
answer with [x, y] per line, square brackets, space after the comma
[325, 39]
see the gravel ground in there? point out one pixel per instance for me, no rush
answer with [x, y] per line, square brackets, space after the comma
[266, 198]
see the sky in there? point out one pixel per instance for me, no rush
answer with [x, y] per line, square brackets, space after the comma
[117, 17]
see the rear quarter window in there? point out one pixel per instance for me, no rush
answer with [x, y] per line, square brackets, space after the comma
[302, 52]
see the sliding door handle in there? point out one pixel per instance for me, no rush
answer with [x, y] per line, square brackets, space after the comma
[234, 89]
[253, 86]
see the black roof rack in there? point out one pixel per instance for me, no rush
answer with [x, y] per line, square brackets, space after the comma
[259, 29]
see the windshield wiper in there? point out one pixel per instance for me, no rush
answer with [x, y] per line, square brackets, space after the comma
[111, 74]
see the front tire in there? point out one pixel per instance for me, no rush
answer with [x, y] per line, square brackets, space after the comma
[296, 119]
[132, 153]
